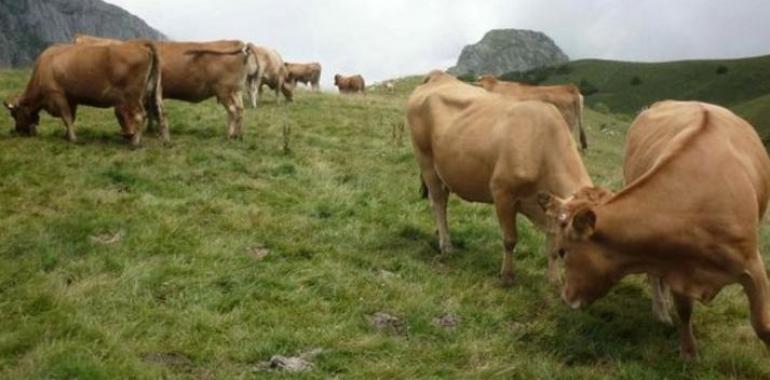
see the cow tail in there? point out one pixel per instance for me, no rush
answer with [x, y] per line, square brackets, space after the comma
[154, 91]
[579, 115]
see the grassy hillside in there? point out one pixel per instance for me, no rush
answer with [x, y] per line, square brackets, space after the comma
[206, 258]
[744, 80]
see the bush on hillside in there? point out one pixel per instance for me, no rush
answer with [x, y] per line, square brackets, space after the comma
[721, 69]
[469, 77]
[587, 88]
[635, 81]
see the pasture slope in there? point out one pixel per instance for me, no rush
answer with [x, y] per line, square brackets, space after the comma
[742, 85]
[206, 258]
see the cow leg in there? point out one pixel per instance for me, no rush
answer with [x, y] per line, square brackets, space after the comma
[439, 196]
[754, 282]
[583, 140]
[134, 117]
[233, 104]
[505, 206]
[255, 90]
[660, 302]
[684, 306]
[67, 114]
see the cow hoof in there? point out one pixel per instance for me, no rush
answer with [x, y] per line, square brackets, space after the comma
[688, 355]
[506, 279]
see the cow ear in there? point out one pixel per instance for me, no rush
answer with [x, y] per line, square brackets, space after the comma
[549, 203]
[584, 223]
[8, 105]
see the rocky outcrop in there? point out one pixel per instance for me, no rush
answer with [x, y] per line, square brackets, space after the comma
[29, 26]
[505, 50]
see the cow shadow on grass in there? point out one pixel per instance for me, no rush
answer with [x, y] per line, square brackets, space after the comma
[615, 327]
[474, 252]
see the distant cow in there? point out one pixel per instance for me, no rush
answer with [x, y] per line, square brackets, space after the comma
[350, 85]
[698, 182]
[566, 98]
[390, 87]
[306, 73]
[487, 149]
[196, 71]
[125, 76]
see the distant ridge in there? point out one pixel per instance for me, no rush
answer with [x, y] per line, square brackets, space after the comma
[505, 50]
[29, 26]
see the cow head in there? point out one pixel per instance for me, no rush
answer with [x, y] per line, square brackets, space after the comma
[337, 79]
[26, 119]
[589, 269]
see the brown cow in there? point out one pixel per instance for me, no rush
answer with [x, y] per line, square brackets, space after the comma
[699, 180]
[125, 76]
[271, 71]
[566, 98]
[350, 85]
[487, 149]
[196, 71]
[304, 73]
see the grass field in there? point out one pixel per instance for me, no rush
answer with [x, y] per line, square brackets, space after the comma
[206, 258]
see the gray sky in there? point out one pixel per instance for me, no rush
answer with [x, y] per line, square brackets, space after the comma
[391, 38]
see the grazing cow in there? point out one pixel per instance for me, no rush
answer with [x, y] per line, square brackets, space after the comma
[305, 73]
[566, 98]
[390, 87]
[484, 148]
[350, 85]
[196, 71]
[271, 71]
[699, 179]
[126, 76]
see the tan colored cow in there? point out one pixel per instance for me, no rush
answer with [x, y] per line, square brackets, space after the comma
[566, 98]
[272, 71]
[350, 85]
[196, 71]
[485, 148]
[699, 179]
[125, 76]
[306, 73]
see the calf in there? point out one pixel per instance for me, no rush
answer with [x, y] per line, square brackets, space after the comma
[350, 85]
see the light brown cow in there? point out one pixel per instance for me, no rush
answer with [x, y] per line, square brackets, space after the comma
[271, 71]
[350, 85]
[485, 148]
[125, 76]
[699, 180]
[306, 73]
[566, 98]
[196, 71]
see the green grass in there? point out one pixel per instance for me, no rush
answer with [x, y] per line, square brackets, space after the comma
[183, 294]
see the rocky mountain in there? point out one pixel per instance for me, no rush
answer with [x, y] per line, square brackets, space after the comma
[505, 50]
[29, 26]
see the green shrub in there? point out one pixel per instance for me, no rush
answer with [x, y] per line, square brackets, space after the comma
[587, 88]
[721, 69]
[635, 81]
[468, 77]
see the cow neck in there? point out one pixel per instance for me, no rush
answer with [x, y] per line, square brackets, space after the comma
[633, 235]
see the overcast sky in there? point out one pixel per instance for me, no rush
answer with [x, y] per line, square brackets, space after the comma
[389, 38]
